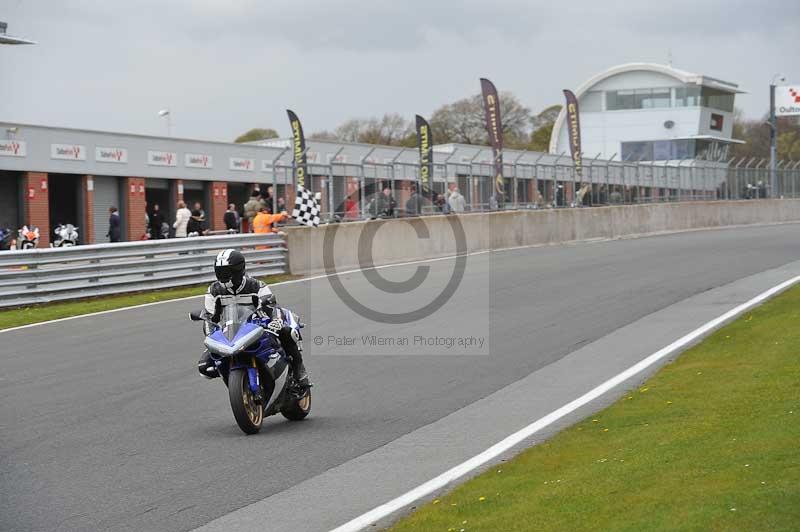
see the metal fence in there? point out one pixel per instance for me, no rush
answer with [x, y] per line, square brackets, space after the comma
[44, 275]
[547, 182]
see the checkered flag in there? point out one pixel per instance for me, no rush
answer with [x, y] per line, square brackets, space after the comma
[306, 208]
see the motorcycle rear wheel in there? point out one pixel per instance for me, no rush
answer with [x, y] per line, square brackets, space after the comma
[298, 409]
[246, 411]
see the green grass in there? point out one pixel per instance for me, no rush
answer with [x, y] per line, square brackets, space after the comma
[711, 442]
[52, 311]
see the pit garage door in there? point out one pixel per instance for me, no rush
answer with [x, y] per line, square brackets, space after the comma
[106, 194]
[9, 200]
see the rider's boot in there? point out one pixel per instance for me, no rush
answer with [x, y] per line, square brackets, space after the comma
[300, 373]
[296, 355]
[206, 366]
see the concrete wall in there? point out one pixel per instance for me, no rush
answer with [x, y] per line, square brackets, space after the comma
[396, 241]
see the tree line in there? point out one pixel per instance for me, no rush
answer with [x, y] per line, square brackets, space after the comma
[463, 122]
[755, 133]
[459, 122]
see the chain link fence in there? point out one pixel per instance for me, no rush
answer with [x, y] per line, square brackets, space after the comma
[351, 191]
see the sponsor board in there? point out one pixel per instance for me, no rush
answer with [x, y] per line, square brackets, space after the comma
[110, 155]
[71, 152]
[162, 158]
[494, 126]
[199, 160]
[787, 100]
[300, 166]
[13, 148]
[242, 164]
[425, 144]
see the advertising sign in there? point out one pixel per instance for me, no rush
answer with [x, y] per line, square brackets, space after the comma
[13, 148]
[494, 126]
[199, 160]
[574, 125]
[162, 158]
[787, 100]
[242, 164]
[73, 152]
[298, 150]
[425, 145]
[110, 155]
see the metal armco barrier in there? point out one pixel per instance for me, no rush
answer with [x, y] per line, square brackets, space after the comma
[44, 275]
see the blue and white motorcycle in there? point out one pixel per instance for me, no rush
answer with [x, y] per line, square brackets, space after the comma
[254, 366]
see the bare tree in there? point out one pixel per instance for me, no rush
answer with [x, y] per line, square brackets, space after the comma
[391, 129]
[349, 131]
[463, 121]
[323, 135]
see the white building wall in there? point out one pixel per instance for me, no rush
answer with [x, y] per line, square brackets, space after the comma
[705, 123]
[604, 131]
[637, 79]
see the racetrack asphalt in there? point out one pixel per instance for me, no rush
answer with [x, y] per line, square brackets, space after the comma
[105, 424]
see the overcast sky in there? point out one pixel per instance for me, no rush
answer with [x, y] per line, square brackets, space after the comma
[225, 66]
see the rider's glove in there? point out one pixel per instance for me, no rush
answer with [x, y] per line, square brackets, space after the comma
[275, 326]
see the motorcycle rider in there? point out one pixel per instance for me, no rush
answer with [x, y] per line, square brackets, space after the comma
[235, 286]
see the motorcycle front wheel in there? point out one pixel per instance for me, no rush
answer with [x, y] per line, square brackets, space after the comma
[246, 410]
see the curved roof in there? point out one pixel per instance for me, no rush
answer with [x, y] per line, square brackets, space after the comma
[681, 75]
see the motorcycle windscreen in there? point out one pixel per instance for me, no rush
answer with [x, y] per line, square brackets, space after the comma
[233, 316]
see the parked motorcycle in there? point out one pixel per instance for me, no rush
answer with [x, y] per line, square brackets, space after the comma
[254, 366]
[7, 240]
[28, 238]
[66, 236]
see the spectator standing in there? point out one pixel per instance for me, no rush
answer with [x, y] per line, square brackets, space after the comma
[387, 203]
[281, 204]
[456, 201]
[265, 221]
[440, 204]
[231, 218]
[114, 228]
[414, 203]
[197, 224]
[252, 207]
[198, 207]
[155, 221]
[181, 220]
[350, 208]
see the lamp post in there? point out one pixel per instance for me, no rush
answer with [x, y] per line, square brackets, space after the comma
[773, 134]
[164, 113]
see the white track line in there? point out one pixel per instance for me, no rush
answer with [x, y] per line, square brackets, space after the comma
[293, 281]
[521, 435]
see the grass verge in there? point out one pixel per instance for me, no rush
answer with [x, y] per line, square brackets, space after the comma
[63, 309]
[711, 442]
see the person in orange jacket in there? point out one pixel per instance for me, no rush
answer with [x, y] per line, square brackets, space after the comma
[265, 221]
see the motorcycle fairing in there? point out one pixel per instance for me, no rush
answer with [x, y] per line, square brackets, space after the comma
[247, 334]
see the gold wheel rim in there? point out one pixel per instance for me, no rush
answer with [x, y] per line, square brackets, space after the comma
[305, 402]
[254, 411]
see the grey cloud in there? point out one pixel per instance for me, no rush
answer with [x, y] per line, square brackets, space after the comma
[227, 66]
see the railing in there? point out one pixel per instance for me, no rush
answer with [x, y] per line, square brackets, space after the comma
[549, 182]
[44, 275]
